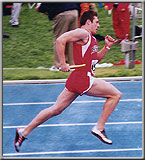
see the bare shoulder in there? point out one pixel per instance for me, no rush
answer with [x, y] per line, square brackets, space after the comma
[81, 31]
[83, 36]
[74, 35]
[80, 34]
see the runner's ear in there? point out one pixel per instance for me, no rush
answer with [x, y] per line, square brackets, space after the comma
[88, 22]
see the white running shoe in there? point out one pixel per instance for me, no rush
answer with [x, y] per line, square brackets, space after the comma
[19, 139]
[101, 135]
[53, 68]
[14, 24]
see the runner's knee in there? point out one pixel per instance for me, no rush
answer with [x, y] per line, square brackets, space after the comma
[57, 111]
[118, 95]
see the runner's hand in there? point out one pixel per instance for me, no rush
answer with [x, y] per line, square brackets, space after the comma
[65, 67]
[109, 41]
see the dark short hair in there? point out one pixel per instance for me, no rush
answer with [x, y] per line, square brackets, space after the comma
[87, 15]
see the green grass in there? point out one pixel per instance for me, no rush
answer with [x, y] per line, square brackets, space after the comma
[31, 74]
[31, 46]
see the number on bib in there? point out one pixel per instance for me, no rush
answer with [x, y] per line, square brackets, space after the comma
[94, 62]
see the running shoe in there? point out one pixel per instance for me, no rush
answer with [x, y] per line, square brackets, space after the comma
[53, 68]
[101, 135]
[14, 23]
[19, 139]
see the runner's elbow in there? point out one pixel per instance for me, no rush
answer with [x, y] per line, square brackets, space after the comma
[58, 41]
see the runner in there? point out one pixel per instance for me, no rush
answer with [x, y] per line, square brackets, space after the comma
[81, 80]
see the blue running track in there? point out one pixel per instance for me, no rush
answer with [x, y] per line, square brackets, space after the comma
[69, 134]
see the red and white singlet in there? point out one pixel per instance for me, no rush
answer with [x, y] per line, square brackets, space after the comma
[81, 79]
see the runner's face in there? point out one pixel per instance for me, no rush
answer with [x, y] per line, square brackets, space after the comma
[95, 25]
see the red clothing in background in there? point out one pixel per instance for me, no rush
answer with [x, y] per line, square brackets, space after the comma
[121, 19]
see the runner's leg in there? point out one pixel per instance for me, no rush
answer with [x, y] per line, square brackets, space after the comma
[100, 88]
[63, 101]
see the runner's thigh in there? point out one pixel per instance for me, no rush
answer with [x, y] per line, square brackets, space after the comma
[101, 88]
[65, 99]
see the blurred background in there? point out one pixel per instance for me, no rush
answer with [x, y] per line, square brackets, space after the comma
[27, 48]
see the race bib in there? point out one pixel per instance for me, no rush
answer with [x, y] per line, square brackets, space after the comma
[94, 62]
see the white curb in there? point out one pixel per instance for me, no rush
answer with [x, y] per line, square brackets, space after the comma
[53, 81]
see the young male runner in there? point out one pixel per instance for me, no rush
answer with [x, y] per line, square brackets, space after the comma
[81, 80]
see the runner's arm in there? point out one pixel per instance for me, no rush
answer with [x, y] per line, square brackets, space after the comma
[71, 36]
[109, 41]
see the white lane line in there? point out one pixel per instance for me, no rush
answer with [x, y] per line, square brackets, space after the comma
[75, 124]
[95, 101]
[77, 151]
